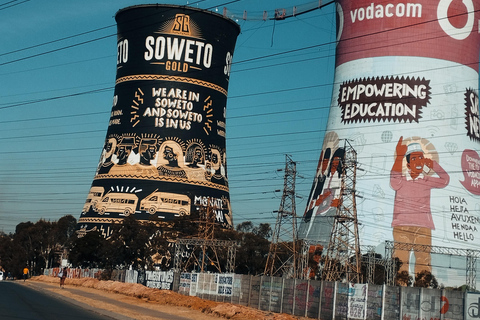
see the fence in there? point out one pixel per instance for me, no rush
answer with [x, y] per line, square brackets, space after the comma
[308, 298]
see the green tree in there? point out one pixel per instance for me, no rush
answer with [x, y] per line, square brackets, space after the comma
[253, 248]
[38, 240]
[35, 245]
[23, 241]
[88, 251]
[65, 229]
[425, 279]
[63, 235]
[46, 243]
[13, 256]
[403, 279]
[263, 231]
[163, 250]
[246, 227]
[131, 243]
[162, 241]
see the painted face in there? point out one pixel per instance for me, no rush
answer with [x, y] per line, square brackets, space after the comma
[168, 154]
[151, 152]
[324, 164]
[335, 163]
[121, 151]
[198, 155]
[417, 161]
[108, 146]
[214, 158]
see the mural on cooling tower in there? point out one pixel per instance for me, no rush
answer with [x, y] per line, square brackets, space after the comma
[164, 152]
[405, 94]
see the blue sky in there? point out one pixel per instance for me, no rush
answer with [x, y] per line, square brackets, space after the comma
[57, 76]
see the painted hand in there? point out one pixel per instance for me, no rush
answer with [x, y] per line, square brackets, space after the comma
[401, 148]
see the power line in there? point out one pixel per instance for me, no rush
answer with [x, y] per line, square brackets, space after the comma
[12, 3]
[246, 163]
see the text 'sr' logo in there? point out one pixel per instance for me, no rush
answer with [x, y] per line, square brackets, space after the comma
[182, 24]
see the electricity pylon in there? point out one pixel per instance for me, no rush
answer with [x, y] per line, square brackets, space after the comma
[283, 257]
[202, 250]
[343, 259]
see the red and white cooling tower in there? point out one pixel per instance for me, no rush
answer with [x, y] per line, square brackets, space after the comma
[405, 95]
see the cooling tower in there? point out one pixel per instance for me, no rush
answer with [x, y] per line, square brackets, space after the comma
[164, 152]
[405, 96]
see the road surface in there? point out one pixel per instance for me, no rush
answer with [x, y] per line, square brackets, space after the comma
[21, 302]
[32, 300]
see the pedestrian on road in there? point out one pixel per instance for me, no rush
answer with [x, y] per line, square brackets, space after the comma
[25, 273]
[62, 274]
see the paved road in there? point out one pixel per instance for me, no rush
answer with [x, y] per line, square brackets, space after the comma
[33, 300]
[19, 302]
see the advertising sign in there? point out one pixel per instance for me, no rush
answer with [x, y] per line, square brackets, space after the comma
[357, 301]
[472, 306]
[164, 151]
[405, 95]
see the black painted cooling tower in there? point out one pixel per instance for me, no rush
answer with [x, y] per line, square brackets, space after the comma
[164, 151]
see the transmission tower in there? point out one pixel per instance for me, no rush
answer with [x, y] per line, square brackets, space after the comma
[283, 257]
[203, 249]
[343, 260]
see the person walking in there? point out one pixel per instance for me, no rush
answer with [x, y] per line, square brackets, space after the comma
[25, 273]
[62, 274]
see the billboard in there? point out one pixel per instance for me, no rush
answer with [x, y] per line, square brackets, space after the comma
[405, 95]
[164, 152]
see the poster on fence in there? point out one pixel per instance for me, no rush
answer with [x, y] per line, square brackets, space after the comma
[196, 284]
[225, 284]
[131, 276]
[206, 284]
[188, 283]
[159, 279]
[472, 306]
[357, 301]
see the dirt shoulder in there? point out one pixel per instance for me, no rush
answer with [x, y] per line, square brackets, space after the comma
[136, 301]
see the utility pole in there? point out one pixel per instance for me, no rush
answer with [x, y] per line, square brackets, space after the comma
[283, 257]
[343, 260]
